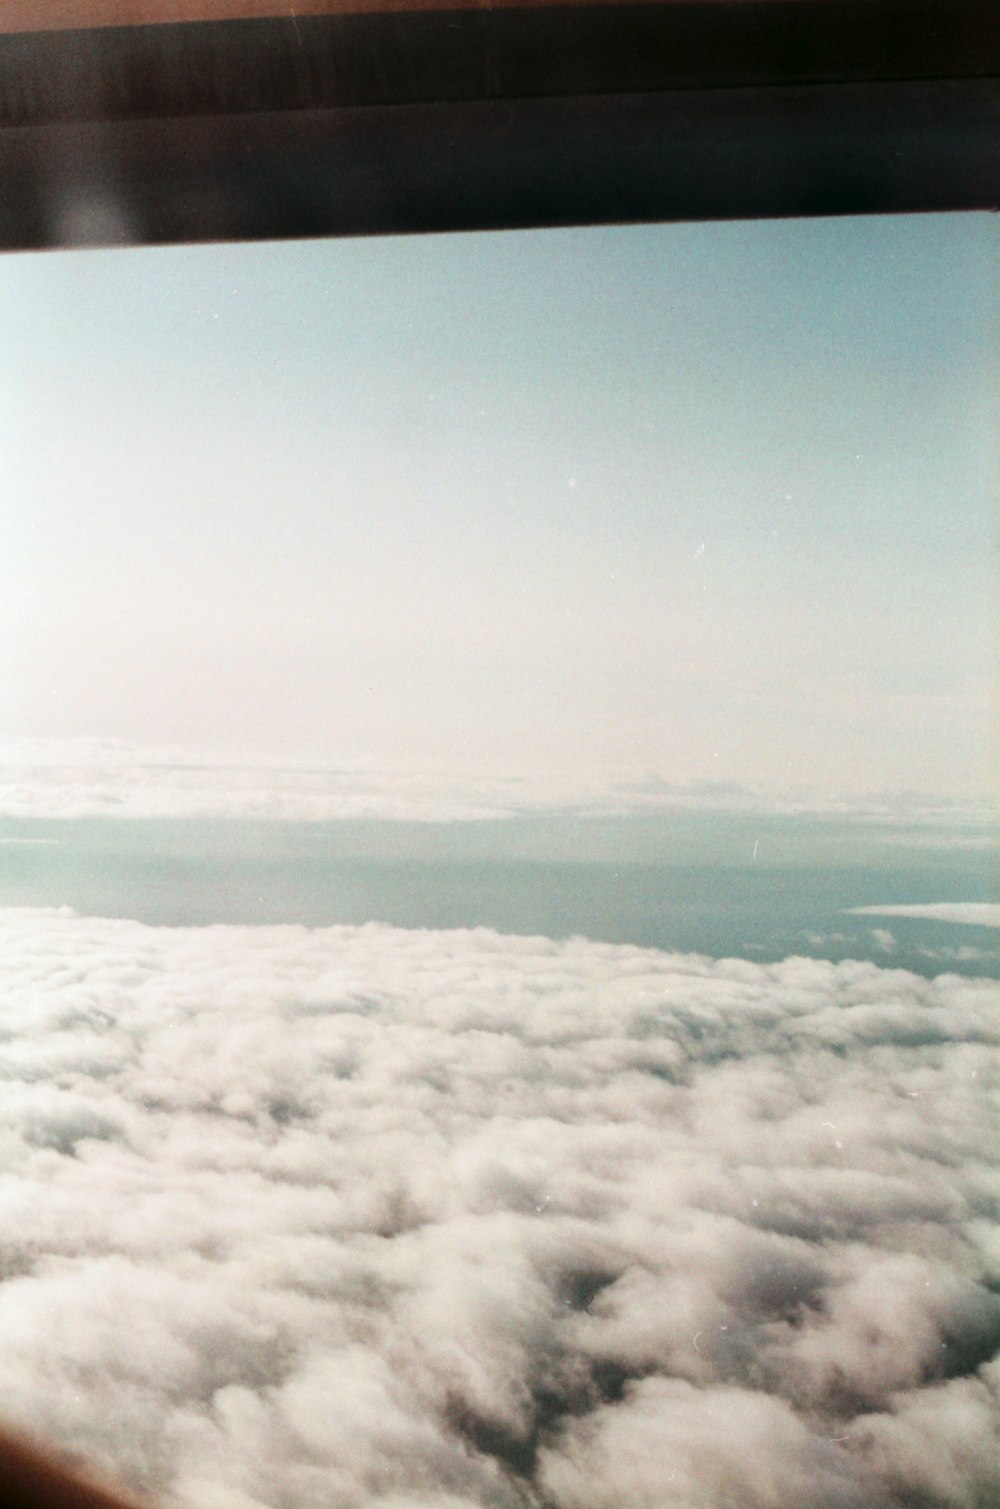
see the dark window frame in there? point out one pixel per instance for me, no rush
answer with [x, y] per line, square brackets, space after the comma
[410, 116]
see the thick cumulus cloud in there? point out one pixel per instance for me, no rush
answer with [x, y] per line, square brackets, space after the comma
[298, 1219]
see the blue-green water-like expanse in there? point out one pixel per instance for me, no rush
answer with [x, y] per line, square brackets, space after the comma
[721, 884]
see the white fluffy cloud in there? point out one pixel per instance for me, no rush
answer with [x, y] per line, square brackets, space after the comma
[294, 1219]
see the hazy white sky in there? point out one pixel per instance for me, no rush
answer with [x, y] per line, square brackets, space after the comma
[711, 502]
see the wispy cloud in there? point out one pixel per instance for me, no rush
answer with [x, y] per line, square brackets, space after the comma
[374, 1217]
[965, 913]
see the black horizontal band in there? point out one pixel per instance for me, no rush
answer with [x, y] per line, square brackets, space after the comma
[403, 121]
[395, 57]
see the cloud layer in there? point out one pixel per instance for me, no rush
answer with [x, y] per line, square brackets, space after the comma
[70, 778]
[298, 1219]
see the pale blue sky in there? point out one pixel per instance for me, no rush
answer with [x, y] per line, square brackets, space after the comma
[710, 501]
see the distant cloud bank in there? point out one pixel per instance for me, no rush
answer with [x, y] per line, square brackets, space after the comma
[98, 778]
[967, 913]
[453, 1220]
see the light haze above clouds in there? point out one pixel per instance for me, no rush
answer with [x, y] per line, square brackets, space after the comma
[368, 1217]
[715, 503]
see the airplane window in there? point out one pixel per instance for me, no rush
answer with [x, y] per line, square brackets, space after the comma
[498, 878]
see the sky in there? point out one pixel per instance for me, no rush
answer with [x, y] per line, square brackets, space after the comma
[436, 1216]
[700, 503]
